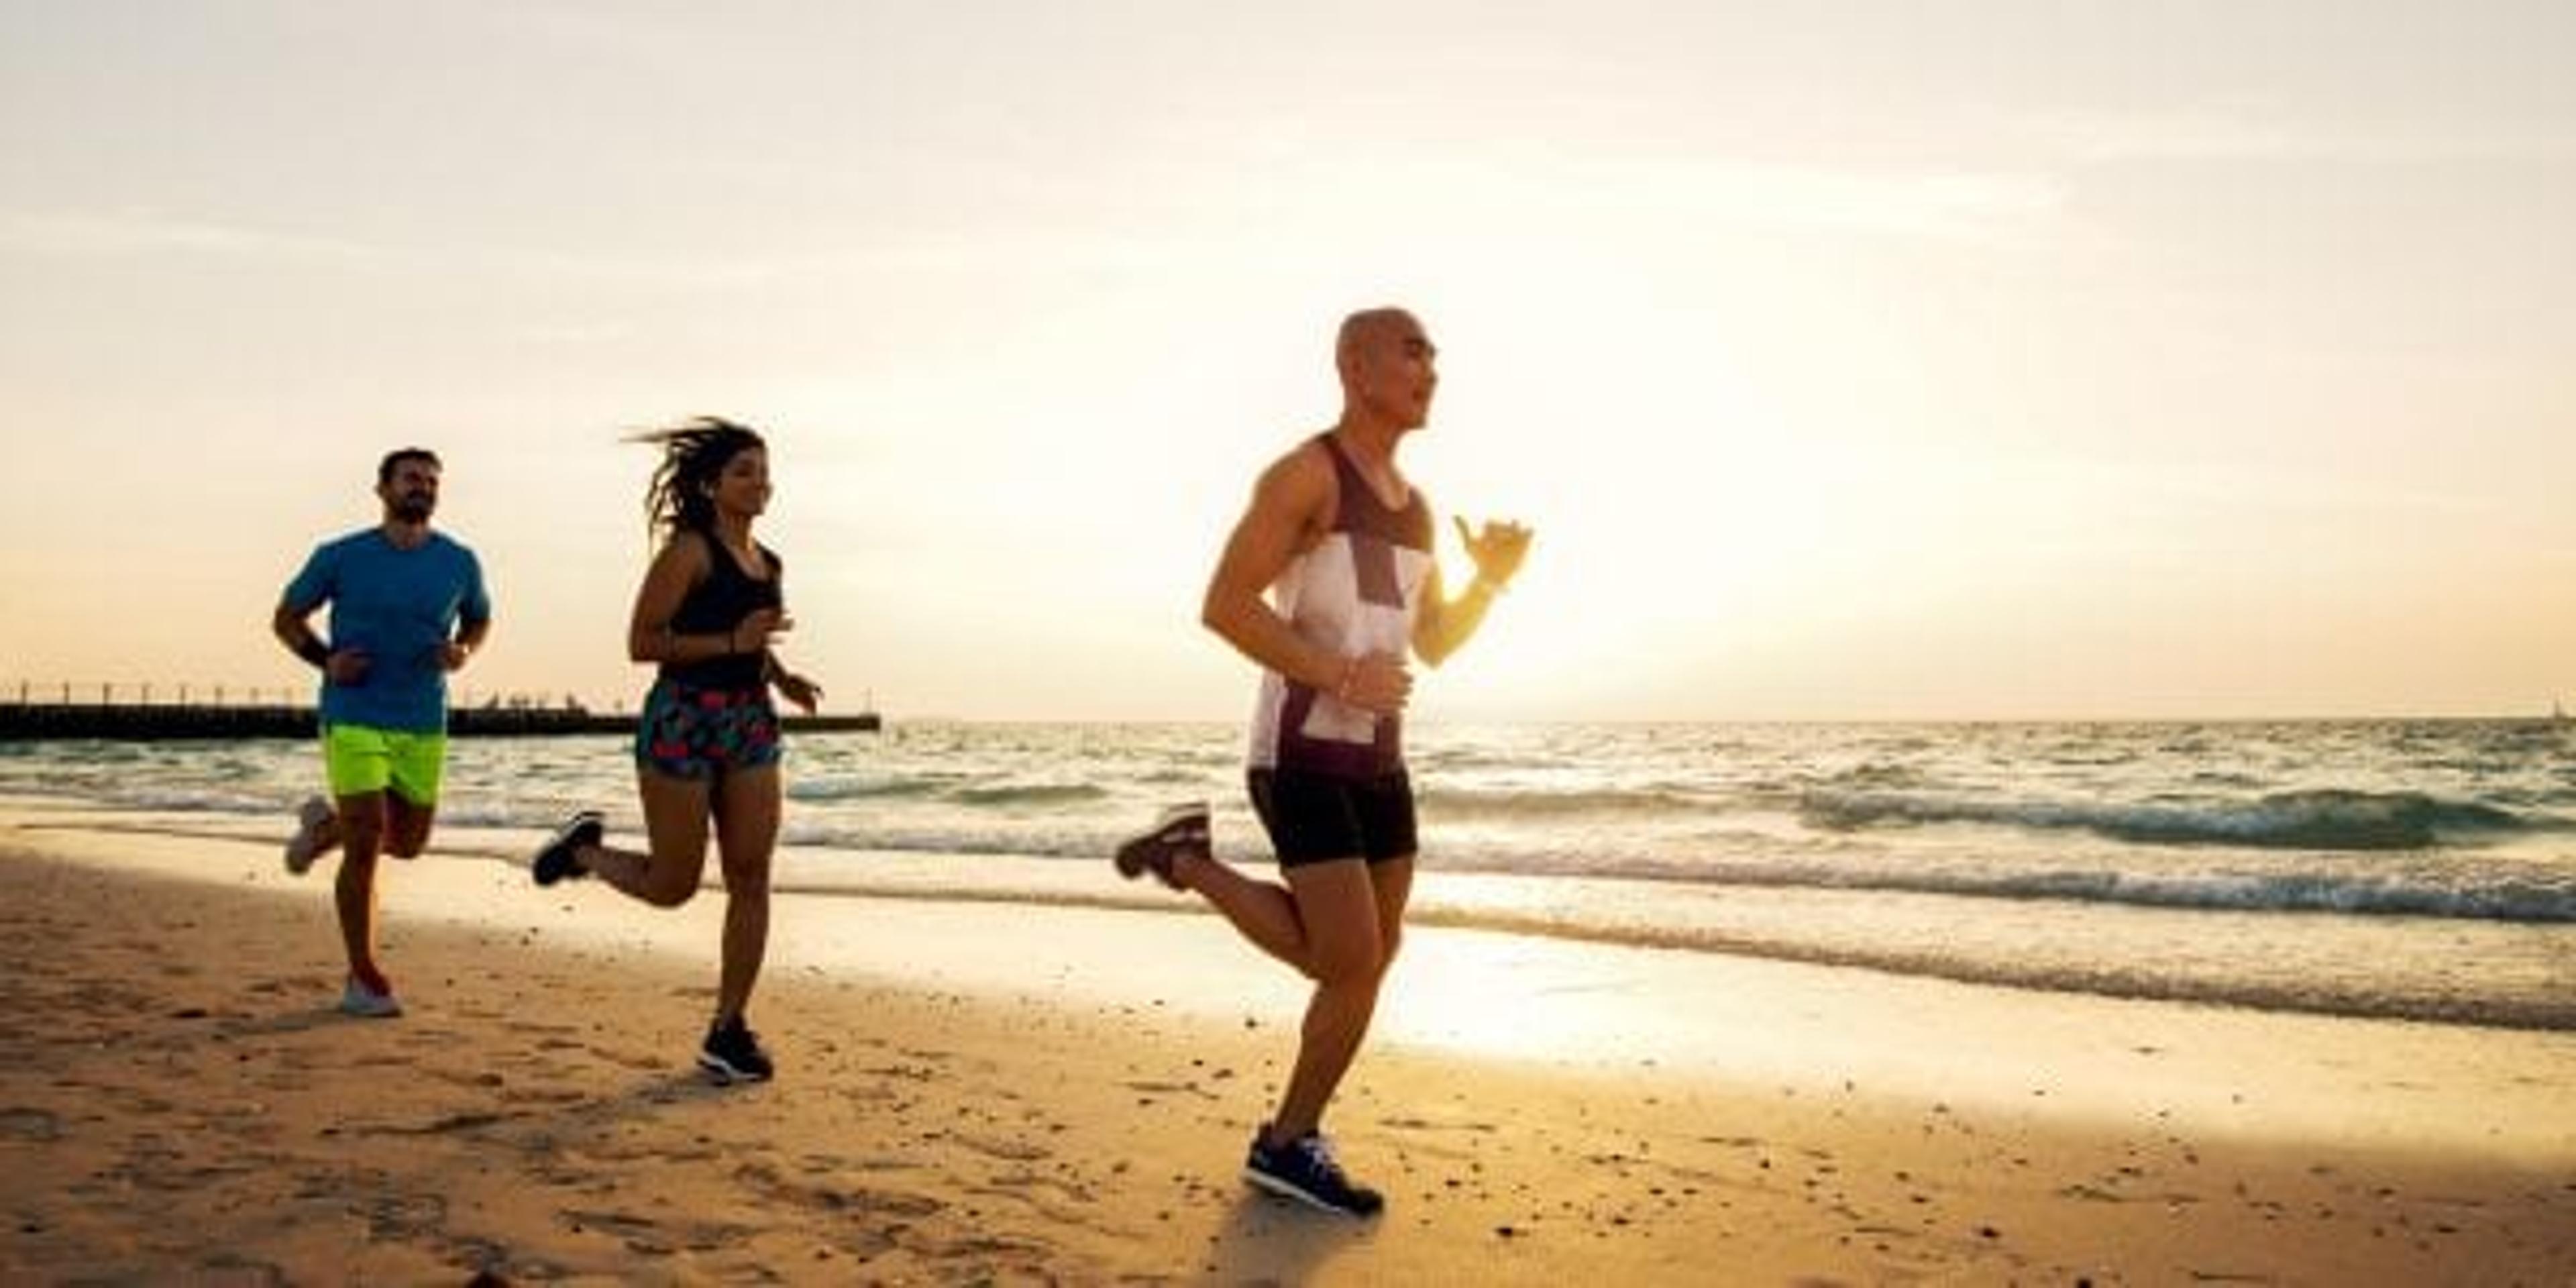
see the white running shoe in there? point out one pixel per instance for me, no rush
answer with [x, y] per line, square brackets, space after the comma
[366, 1003]
[306, 845]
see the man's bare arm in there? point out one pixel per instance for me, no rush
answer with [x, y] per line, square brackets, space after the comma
[468, 642]
[292, 629]
[1289, 505]
[1447, 624]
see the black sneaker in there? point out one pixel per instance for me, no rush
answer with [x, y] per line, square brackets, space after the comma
[557, 862]
[1304, 1170]
[732, 1054]
[1182, 829]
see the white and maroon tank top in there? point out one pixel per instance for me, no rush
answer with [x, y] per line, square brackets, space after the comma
[1357, 592]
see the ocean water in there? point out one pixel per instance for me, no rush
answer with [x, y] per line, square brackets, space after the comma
[2409, 869]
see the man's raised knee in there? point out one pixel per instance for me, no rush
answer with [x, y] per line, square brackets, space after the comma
[670, 895]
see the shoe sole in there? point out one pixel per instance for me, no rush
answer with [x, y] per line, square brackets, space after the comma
[1264, 1181]
[1171, 833]
[562, 837]
[726, 1075]
[1135, 858]
[299, 859]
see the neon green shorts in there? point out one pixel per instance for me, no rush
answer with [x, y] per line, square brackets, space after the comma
[361, 758]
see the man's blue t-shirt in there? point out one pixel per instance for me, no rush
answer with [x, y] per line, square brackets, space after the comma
[399, 606]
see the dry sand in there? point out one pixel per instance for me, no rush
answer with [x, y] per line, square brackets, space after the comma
[1011, 1093]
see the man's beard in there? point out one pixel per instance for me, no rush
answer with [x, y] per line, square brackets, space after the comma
[414, 509]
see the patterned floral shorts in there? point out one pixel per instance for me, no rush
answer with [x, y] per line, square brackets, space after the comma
[700, 733]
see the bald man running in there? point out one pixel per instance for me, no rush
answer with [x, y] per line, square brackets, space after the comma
[1328, 581]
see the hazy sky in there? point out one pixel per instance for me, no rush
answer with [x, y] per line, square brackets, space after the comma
[1851, 360]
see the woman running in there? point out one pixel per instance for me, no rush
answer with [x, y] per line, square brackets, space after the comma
[707, 745]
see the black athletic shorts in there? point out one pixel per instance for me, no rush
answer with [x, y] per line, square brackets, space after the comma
[1314, 817]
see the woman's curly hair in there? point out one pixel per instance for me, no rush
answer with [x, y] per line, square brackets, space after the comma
[694, 455]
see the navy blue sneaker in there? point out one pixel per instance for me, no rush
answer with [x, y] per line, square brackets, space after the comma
[1304, 1170]
[1181, 830]
[732, 1054]
[558, 860]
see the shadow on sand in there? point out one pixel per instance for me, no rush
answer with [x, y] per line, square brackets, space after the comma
[1268, 1240]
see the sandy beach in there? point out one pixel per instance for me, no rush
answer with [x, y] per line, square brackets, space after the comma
[995, 1092]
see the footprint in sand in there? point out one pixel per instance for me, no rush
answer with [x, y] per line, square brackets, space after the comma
[1007, 1149]
[1153, 1088]
[766, 1179]
[623, 1225]
[479, 1080]
[232, 1268]
[441, 1126]
[985, 1246]
[23, 1123]
[648, 1237]
[1414, 1123]
[404, 1216]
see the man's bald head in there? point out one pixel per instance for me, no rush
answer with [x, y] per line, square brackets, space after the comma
[1385, 361]
[1370, 327]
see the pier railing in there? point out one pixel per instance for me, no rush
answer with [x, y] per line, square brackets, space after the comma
[137, 712]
